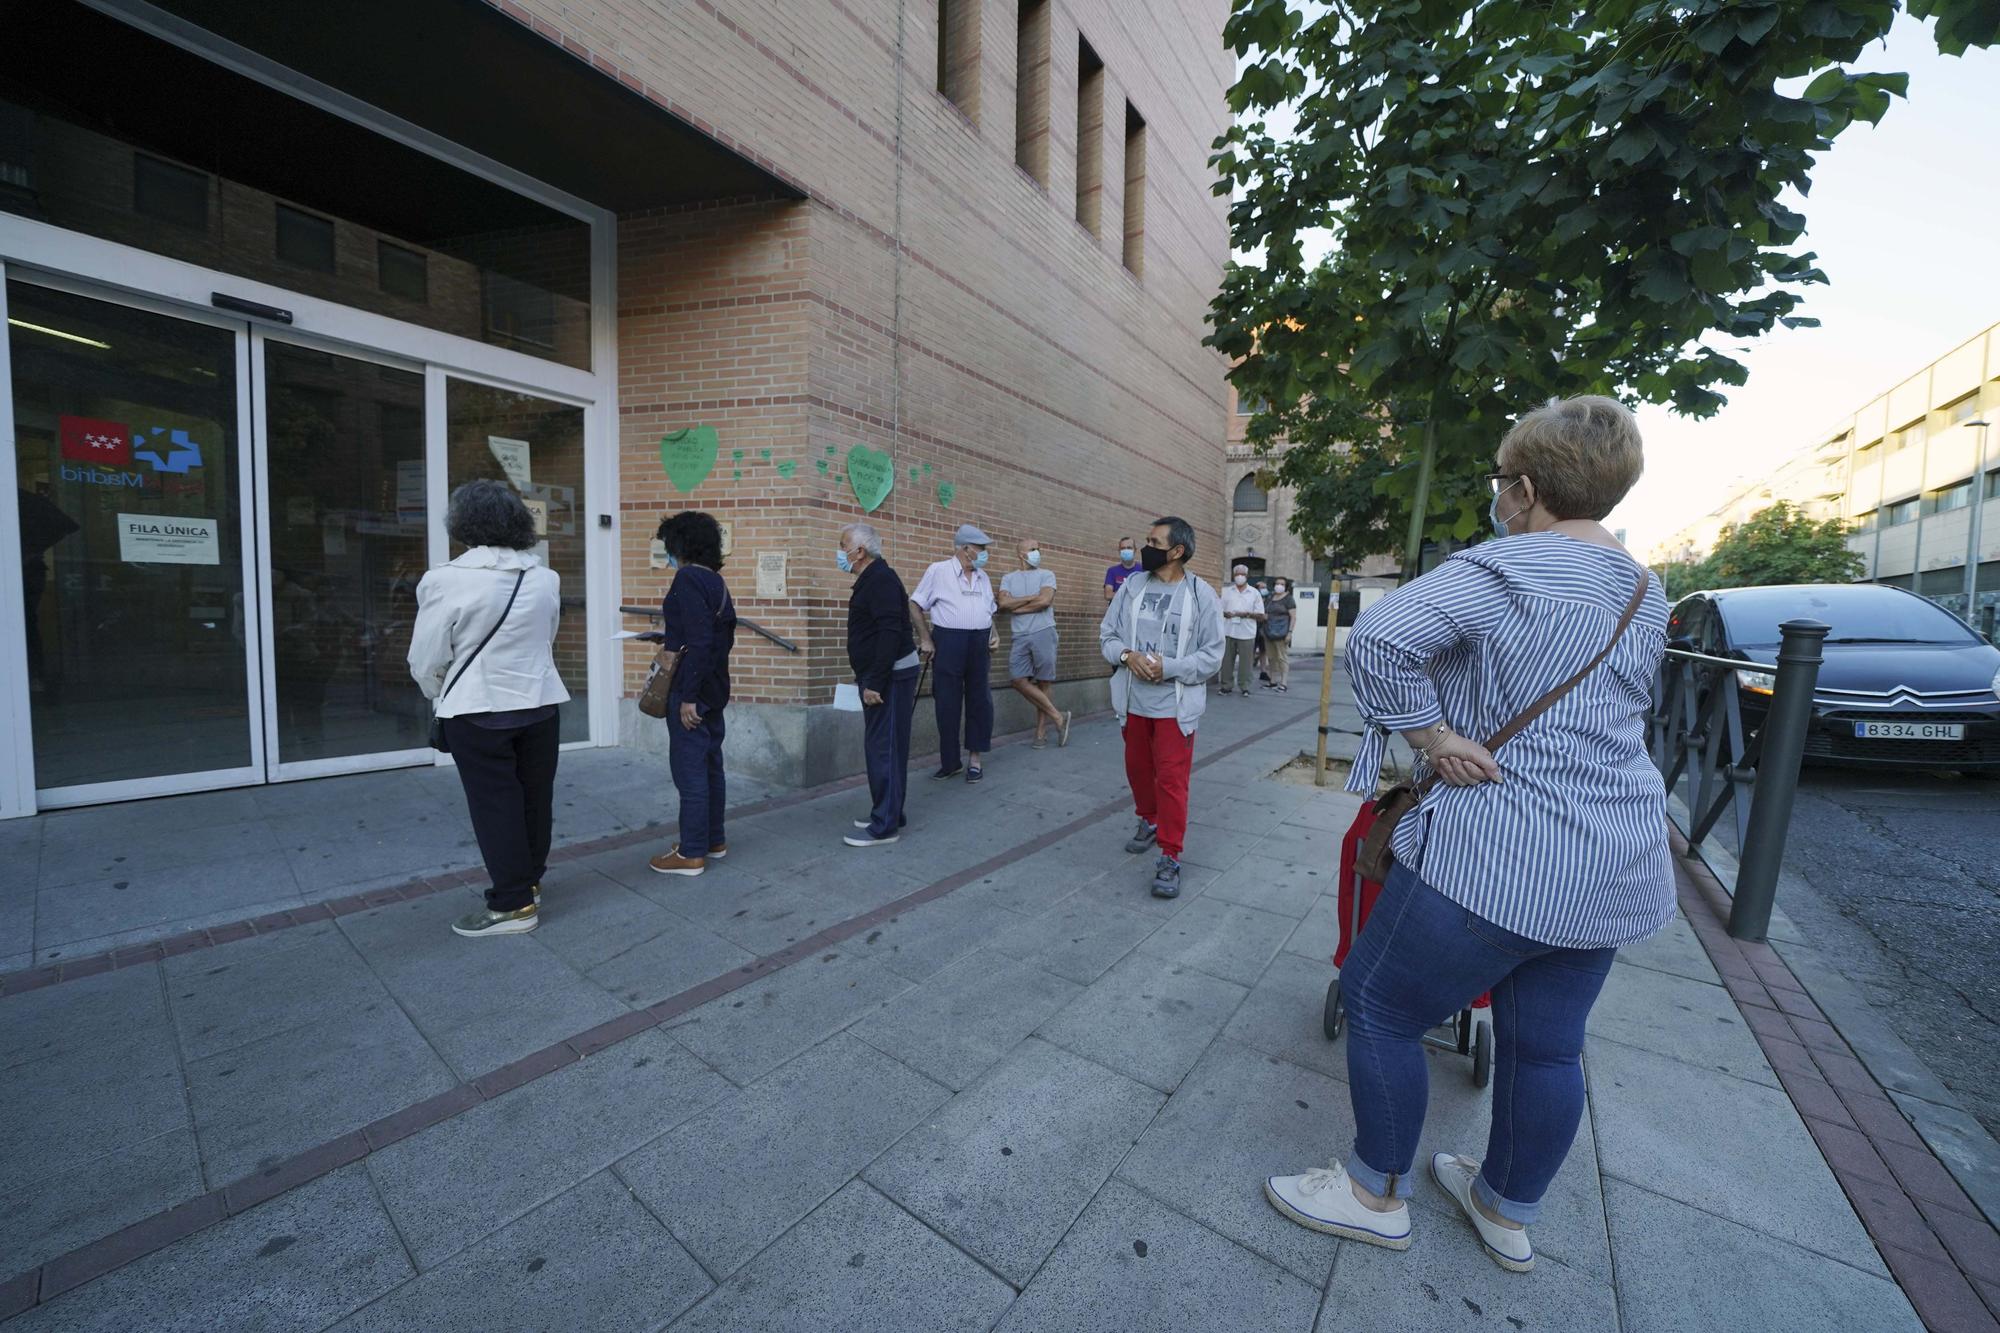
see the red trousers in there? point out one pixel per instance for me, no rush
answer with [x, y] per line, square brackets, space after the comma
[1158, 760]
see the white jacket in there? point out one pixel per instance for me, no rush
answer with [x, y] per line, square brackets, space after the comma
[458, 603]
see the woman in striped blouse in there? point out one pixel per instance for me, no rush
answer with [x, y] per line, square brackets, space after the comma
[1521, 873]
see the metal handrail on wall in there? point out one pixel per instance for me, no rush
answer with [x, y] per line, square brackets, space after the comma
[1701, 747]
[652, 614]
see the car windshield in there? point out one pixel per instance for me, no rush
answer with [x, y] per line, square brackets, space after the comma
[1858, 614]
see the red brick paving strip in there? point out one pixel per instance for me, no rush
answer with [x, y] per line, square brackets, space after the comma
[1940, 1247]
[94, 1260]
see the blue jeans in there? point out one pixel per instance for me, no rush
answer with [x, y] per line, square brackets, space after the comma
[695, 757]
[886, 741]
[961, 683]
[1419, 960]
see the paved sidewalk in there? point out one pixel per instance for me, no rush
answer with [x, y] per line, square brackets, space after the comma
[977, 1079]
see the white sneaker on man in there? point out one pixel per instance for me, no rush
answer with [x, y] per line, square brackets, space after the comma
[1322, 1199]
[1508, 1245]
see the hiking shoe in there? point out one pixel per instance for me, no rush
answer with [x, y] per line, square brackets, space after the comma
[671, 862]
[1322, 1200]
[1142, 837]
[1508, 1245]
[865, 841]
[484, 922]
[1167, 877]
[1069, 716]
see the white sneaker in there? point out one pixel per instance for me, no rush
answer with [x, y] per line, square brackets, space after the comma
[863, 823]
[1508, 1245]
[1323, 1200]
[865, 841]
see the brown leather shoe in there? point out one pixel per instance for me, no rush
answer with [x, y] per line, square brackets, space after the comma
[720, 850]
[671, 862]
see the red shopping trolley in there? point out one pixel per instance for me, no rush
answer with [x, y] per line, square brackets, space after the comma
[1471, 1030]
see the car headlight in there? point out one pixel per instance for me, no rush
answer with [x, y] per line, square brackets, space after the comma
[1996, 685]
[1763, 682]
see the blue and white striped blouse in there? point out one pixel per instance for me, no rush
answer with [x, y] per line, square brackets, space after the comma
[1570, 847]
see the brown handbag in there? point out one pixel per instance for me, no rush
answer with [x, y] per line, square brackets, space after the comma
[1375, 855]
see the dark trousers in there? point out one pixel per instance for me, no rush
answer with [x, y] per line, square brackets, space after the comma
[886, 739]
[962, 669]
[695, 756]
[509, 776]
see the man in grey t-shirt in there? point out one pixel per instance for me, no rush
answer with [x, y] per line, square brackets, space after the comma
[1030, 593]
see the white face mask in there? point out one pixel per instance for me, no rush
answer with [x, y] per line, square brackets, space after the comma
[1281, 590]
[1034, 559]
[1242, 579]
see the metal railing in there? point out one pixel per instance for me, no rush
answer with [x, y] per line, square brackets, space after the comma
[1719, 768]
[652, 614]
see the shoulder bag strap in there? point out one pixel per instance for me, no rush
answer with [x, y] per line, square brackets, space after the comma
[488, 639]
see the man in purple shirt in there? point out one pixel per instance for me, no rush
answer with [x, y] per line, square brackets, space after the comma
[1128, 564]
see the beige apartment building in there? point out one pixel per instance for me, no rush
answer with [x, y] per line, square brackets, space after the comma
[277, 277]
[1914, 471]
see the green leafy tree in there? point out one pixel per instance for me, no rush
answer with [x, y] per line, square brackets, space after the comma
[1781, 544]
[1525, 201]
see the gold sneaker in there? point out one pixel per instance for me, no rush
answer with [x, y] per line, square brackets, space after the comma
[477, 925]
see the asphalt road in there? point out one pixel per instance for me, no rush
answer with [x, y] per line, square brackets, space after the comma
[1903, 876]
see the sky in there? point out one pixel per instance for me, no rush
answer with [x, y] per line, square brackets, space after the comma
[1905, 219]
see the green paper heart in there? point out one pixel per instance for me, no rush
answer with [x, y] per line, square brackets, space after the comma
[737, 475]
[927, 469]
[689, 456]
[786, 467]
[831, 450]
[913, 476]
[764, 454]
[946, 493]
[735, 455]
[823, 466]
[872, 476]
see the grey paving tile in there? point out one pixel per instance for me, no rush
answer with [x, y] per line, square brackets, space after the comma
[1130, 887]
[740, 1174]
[1726, 1146]
[324, 870]
[78, 1106]
[1079, 938]
[108, 1008]
[301, 1261]
[859, 883]
[770, 919]
[1284, 1016]
[591, 1258]
[1028, 886]
[1239, 1117]
[87, 909]
[1219, 849]
[443, 980]
[1318, 934]
[588, 918]
[58, 1213]
[224, 998]
[966, 1018]
[679, 956]
[1445, 1283]
[77, 850]
[1223, 939]
[1147, 1018]
[752, 1031]
[1302, 845]
[704, 898]
[527, 1025]
[1131, 1262]
[1675, 950]
[441, 1184]
[1329, 810]
[286, 1092]
[858, 1263]
[1681, 1269]
[924, 940]
[1288, 888]
[1004, 1168]
[1671, 1015]
[17, 925]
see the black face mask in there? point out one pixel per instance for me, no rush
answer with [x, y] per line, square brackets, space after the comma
[1152, 559]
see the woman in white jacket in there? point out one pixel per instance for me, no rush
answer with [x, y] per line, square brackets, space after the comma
[481, 652]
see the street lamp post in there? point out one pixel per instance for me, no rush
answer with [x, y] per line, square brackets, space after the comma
[1978, 498]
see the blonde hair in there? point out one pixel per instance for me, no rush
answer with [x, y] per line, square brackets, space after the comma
[1583, 453]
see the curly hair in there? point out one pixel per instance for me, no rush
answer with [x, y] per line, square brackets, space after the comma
[692, 538]
[489, 513]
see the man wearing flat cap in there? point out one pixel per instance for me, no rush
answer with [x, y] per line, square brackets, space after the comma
[952, 611]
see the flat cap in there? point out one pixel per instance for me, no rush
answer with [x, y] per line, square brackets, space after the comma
[971, 536]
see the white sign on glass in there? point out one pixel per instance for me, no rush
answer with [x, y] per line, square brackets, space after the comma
[512, 456]
[160, 539]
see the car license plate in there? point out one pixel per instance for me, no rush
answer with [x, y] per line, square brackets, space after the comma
[1910, 731]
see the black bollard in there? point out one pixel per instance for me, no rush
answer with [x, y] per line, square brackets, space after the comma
[1784, 745]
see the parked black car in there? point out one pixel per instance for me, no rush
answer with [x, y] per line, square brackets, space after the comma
[1905, 683]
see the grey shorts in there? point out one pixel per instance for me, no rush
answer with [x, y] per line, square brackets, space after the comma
[1033, 656]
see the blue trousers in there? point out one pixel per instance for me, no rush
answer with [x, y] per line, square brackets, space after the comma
[887, 743]
[1419, 960]
[696, 760]
[962, 662]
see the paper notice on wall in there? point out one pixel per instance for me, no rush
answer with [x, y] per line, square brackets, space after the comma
[542, 553]
[157, 539]
[770, 573]
[410, 497]
[512, 456]
[656, 554]
[539, 511]
[726, 546]
[333, 535]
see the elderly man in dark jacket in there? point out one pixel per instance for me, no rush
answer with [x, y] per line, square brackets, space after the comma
[883, 653]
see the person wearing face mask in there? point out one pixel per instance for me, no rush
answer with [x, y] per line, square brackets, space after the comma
[1278, 608]
[1242, 613]
[1163, 631]
[883, 654]
[1127, 566]
[952, 610]
[1523, 869]
[699, 616]
[1029, 594]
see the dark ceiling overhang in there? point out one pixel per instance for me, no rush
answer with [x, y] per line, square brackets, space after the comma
[466, 72]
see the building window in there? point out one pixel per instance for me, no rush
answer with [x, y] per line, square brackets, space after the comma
[1868, 454]
[1992, 491]
[958, 54]
[1866, 522]
[1250, 404]
[1964, 410]
[1909, 437]
[402, 272]
[1031, 90]
[1947, 498]
[1903, 511]
[169, 192]
[1250, 497]
[305, 239]
[1089, 138]
[1135, 191]
[1942, 582]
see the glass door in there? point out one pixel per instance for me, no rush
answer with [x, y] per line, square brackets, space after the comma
[346, 539]
[130, 476]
